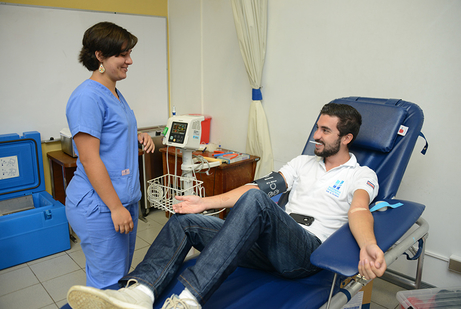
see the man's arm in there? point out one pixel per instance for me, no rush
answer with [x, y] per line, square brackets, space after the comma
[196, 204]
[372, 263]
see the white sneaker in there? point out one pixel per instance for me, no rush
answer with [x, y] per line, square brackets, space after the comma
[174, 302]
[84, 297]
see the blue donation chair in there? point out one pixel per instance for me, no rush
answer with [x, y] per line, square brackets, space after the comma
[385, 143]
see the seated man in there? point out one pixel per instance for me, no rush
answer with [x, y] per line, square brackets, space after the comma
[326, 191]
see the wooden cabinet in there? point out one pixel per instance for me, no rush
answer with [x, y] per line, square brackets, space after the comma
[62, 168]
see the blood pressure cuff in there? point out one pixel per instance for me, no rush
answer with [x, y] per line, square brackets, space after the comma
[272, 184]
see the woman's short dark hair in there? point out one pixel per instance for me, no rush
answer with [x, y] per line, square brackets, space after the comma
[350, 119]
[108, 38]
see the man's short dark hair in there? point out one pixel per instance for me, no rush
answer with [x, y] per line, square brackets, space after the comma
[350, 119]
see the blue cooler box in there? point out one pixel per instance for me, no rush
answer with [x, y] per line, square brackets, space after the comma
[32, 223]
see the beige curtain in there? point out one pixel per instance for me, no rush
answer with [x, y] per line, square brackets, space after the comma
[250, 17]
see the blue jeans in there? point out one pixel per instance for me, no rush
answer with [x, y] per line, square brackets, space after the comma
[257, 233]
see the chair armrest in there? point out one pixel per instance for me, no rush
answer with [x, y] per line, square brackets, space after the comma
[340, 252]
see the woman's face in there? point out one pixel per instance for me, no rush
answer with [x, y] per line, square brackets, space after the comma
[117, 66]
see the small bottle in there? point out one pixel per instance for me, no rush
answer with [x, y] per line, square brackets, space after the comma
[173, 111]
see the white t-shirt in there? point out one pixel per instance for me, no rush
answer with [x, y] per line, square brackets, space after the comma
[326, 196]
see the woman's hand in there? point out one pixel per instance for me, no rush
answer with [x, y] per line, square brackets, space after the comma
[146, 141]
[121, 217]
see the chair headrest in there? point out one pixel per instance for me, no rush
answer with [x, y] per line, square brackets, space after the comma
[377, 133]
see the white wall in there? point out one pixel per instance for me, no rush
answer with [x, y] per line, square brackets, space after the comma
[321, 50]
[185, 56]
[207, 72]
[36, 100]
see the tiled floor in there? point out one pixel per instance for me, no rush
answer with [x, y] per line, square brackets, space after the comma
[383, 295]
[43, 283]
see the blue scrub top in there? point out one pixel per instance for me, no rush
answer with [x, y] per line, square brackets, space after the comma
[93, 109]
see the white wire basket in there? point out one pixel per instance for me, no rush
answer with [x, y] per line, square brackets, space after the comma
[162, 190]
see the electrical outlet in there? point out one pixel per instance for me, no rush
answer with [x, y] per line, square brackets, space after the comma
[455, 264]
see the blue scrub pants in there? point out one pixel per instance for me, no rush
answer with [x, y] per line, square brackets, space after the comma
[257, 233]
[108, 254]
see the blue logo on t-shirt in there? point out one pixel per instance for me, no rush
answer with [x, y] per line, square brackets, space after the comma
[335, 189]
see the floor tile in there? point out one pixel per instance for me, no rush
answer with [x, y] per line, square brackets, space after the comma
[158, 216]
[384, 293]
[58, 287]
[148, 235]
[140, 243]
[33, 297]
[376, 306]
[78, 257]
[12, 268]
[143, 224]
[52, 268]
[16, 280]
[138, 256]
[61, 303]
[46, 258]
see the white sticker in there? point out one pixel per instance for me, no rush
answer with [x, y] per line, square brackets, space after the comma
[9, 167]
[196, 134]
[403, 130]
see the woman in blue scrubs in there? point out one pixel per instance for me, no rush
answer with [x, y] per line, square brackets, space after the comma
[102, 197]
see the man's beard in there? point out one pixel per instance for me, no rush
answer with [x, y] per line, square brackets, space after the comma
[329, 150]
